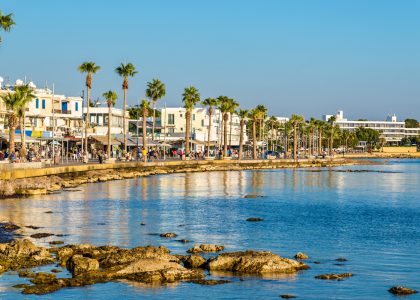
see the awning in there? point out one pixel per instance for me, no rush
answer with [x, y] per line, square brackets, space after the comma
[103, 139]
[28, 139]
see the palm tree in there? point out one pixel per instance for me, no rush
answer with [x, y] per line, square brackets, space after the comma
[243, 115]
[155, 91]
[125, 71]
[24, 93]
[13, 103]
[211, 103]
[225, 104]
[295, 120]
[333, 131]
[232, 108]
[190, 97]
[89, 68]
[6, 22]
[111, 99]
[254, 115]
[144, 107]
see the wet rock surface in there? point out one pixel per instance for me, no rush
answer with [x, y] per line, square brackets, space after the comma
[206, 248]
[333, 276]
[193, 261]
[301, 256]
[168, 235]
[287, 296]
[255, 262]
[20, 254]
[401, 290]
[41, 235]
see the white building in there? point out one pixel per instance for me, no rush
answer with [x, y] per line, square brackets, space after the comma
[47, 111]
[173, 123]
[98, 118]
[390, 129]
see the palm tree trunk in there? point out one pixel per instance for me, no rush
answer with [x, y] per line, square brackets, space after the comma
[12, 127]
[187, 131]
[108, 150]
[209, 135]
[254, 138]
[87, 122]
[331, 142]
[154, 118]
[230, 131]
[22, 138]
[124, 125]
[144, 129]
[295, 142]
[241, 139]
[320, 142]
[225, 134]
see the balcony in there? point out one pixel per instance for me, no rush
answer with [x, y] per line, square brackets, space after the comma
[64, 112]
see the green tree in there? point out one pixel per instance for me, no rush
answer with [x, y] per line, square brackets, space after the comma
[295, 121]
[369, 135]
[211, 103]
[6, 22]
[89, 68]
[155, 91]
[111, 99]
[13, 104]
[190, 97]
[243, 115]
[411, 123]
[125, 71]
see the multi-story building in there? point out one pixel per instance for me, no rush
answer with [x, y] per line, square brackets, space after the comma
[98, 118]
[173, 124]
[46, 113]
[391, 129]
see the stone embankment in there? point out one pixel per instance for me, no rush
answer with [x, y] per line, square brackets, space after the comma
[151, 265]
[53, 179]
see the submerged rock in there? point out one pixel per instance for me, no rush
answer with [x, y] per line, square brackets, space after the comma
[342, 259]
[56, 242]
[184, 241]
[210, 281]
[253, 196]
[41, 235]
[401, 290]
[254, 262]
[287, 296]
[9, 227]
[301, 256]
[206, 248]
[255, 219]
[334, 276]
[168, 235]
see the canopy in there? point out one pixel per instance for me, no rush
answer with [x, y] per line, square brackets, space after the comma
[103, 139]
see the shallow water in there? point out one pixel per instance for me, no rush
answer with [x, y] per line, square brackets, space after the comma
[370, 218]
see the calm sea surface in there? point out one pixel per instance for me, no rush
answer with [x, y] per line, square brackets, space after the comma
[372, 219]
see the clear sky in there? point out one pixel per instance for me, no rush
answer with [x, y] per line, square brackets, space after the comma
[308, 57]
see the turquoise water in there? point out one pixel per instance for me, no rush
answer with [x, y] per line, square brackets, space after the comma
[369, 218]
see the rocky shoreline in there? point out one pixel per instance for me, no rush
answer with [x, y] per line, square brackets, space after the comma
[54, 183]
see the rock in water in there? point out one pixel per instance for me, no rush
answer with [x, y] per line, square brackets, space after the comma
[401, 290]
[20, 254]
[287, 296]
[41, 235]
[252, 196]
[334, 276]
[168, 235]
[78, 264]
[301, 256]
[193, 261]
[254, 262]
[255, 219]
[206, 248]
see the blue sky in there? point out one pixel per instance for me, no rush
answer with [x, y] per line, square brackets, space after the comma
[303, 56]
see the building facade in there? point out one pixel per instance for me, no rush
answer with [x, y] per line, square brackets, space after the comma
[391, 129]
[98, 119]
[173, 124]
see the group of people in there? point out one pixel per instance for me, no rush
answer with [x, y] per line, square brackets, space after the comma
[31, 154]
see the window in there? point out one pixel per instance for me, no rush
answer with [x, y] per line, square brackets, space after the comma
[182, 129]
[193, 117]
[171, 119]
[202, 123]
[171, 130]
[77, 106]
[180, 115]
[43, 103]
[37, 103]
